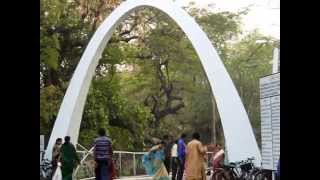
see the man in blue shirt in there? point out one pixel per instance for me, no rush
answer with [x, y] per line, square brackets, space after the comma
[181, 155]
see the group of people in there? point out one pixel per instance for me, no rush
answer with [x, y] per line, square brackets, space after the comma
[185, 161]
[65, 154]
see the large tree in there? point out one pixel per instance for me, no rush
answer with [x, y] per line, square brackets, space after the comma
[149, 81]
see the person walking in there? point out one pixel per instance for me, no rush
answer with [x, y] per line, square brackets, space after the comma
[167, 152]
[56, 154]
[195, 159]
[153, 162]
[181, 155]
[103, 156]
[174, 160]
[69, 159]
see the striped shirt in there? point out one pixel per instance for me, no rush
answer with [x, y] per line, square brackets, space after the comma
[102, 148]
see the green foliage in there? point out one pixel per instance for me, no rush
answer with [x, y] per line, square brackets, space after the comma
[48, 111]
[128, 71]
[50, 54]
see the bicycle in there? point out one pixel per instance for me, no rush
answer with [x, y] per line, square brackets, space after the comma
[45, 169]
[227, 172]
[234, 171]
[247, 169]
[258, 173]
[263, 174]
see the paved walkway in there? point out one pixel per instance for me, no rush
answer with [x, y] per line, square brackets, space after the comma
[134, 178]
[143, 178]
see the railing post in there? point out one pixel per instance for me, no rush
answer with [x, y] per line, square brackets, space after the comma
[134, 164]
[120, 164]
[273, 175]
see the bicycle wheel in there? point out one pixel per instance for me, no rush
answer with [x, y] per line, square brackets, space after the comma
[222, 176]
[260, 176]
[252, 174]
[247, 176]
[216, 174]
[233, 175]
[243, 176]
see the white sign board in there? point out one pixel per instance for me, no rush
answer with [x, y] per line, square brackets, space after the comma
[41, 142]
[270, 120]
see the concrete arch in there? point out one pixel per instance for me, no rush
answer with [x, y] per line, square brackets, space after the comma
[239, 136]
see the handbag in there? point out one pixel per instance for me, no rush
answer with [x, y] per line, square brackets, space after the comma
[113, 171]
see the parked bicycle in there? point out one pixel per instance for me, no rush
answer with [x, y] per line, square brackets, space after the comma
[262, 174]
[241, 170]
[227, 172]
[45, 169]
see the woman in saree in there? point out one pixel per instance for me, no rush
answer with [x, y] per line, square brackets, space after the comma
[153, 162]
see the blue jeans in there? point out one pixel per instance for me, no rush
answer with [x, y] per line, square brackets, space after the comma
[103, 170]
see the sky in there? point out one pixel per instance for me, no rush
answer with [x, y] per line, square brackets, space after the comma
[264, 15]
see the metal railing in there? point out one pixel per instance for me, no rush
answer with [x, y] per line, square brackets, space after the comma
[126, 163]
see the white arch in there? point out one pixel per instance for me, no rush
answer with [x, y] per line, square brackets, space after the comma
[238, 133]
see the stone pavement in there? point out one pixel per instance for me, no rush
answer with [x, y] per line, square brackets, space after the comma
[143, 178]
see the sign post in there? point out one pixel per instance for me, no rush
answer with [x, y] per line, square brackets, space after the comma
[41, 147]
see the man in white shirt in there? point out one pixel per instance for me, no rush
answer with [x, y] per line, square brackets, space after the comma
[174, 159]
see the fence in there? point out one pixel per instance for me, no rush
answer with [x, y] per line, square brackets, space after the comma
[127, 164]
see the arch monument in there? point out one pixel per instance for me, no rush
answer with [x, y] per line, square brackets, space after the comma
[239, 136]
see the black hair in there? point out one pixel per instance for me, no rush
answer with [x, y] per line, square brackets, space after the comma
[183, 135]
[176, 141]
[166, 137]
[196, 135]
[102, 132]
[161, 142]
[58, 139]
[67, 139]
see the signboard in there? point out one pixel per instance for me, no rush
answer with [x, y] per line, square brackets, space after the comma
[270, 120]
